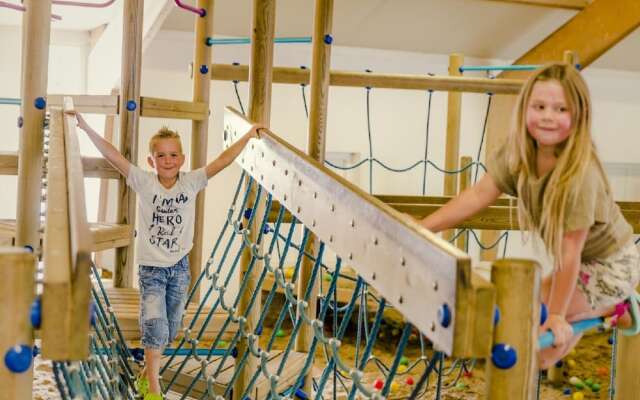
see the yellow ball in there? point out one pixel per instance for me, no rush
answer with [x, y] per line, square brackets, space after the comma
[288, 273]
[394, 386]
[402, 368]
[571, 363]
[577, 396]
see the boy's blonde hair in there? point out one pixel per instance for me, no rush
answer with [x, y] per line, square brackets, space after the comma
[164, 133]
[574, 157]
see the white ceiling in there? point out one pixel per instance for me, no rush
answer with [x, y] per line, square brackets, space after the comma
[477, 28]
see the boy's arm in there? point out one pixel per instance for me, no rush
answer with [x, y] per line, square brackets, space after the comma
[230, 154]
[109, 152]
[465, 205]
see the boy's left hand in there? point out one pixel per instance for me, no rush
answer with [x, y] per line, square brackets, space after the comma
[561, 329]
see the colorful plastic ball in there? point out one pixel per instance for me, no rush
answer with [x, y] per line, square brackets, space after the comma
[571, 363]
[460, 385]
[378, 384]
[288, 273]
[280, 333]
[595, 387]
[409, 381]
[394, 386]
[18, 358]
[588, 382]
[327, 277]
[602, 371]
[577, 396]
[468, 374]
[566, 392]
[503, 356]
[404, 360]
[222, 344]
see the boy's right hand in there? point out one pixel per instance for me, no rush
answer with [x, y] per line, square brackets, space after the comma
[82, 124]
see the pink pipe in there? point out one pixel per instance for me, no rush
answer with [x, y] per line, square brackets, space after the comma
[200, 11]
[83, 4]
[21, 8]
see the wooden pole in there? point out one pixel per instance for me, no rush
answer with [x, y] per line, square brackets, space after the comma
[452, 146]
[518, 298]
[17, 292]
[260, 78]
[316, 143]
[129, 104]
[627, 384]
[36, 23]
[465, 182]
[200, 129]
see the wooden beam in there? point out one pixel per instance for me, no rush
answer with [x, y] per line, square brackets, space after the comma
[567, 4]
[375, 239]
[165, 108]
[465, 182]
[200, 129]
[290, 75]
[17, 292]
[91, 104]
[35, 59]
[129, 120]
[94, 167]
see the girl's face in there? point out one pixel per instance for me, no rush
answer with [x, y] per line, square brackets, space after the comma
[548, 116]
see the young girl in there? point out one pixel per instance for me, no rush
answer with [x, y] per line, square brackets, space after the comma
[550, 164]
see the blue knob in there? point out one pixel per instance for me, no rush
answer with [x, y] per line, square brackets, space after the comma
[18, 358]
[266, 229]
[566, 391]
[496, 315]
[36, 351]
[328, 39]
[234, 352]
[259, 330]
[247, 213]
[131, 105]
[40, 103]
[137, 353]
[204, 69]
[503, 356]
[208, 41]
[444, 315]
[35, 313]
[544, 313]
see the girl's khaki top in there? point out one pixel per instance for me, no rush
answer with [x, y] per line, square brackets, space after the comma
[592, 208]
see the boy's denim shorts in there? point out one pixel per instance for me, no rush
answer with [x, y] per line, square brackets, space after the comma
[163, 294]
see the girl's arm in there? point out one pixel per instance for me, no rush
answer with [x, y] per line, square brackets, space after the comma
[563, 285]
[465, 205]
[109, 152]
[230, 154]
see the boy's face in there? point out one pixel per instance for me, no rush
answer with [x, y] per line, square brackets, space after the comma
[167, 158]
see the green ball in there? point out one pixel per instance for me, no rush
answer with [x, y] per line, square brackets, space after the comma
[222, 344]
[327, 277]
[279, 333]
[460, 385]
[404, 360]
[579, 385]
[595, 387]
[588, 382]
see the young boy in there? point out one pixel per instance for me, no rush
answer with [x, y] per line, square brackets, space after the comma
[166, 209]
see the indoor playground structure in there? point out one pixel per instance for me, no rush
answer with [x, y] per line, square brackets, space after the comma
[340, 293]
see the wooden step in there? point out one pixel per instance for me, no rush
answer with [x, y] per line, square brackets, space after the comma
[105, 235]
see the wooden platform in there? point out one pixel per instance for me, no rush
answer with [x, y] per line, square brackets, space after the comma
[126, 305]
[104, 235]
[295, 362]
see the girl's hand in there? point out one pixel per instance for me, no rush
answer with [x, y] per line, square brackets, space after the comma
[561, 329]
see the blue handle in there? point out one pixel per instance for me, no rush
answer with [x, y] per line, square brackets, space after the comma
[546, 339]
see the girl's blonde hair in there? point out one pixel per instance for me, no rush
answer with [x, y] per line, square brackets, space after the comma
[574, 157]
[164, 133]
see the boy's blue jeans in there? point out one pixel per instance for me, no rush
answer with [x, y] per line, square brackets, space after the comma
[163, 294]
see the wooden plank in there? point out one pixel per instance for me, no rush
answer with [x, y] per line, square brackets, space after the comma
[133, 11]
[89, 104]
[465, 182]
[200, 130]
[35, 59]
[17, 292]
[298, 76]
[94, 167]
[372, 237]
[567, 4]
[166, 108]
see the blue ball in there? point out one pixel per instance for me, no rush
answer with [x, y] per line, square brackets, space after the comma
[566, 391]
[35, 313]
[18, 358]
[444, 315]
[610, 340]
[40, 103]
[544, 313]
[328, 39]
[503, 356]
[131, 105]
[204, 69]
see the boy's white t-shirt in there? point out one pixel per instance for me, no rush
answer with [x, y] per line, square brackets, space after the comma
[165, 216]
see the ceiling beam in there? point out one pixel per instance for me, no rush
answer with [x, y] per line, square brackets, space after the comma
[568, 4]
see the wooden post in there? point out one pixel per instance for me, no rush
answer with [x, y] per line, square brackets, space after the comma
[518, 299]
[17, 292]
[129, 106]
[200, 129]
[316, 143]
[260, 78]
[454, 106]
[465, 182]
[101, 257]
[36, 24]
[627, 384]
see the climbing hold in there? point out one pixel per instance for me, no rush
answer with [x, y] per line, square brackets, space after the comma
[35, 314]
[610, 340]
[559, 364]
[444, 315]
[503, 356]
[544, 313]
[18, 358]
[40, 103]
[247, 213]
[204, 69]
[378, 384]
[131, 105]
[29, 248]
[266, 229]
[328, 39]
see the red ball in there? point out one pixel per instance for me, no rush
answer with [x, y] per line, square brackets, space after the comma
[378, 384]
[409, 381]
[468, 374]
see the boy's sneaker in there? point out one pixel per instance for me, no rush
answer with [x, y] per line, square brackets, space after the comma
[142, 386]
[153, 396]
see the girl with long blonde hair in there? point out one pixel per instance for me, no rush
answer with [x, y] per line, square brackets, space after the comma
[550, 164]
